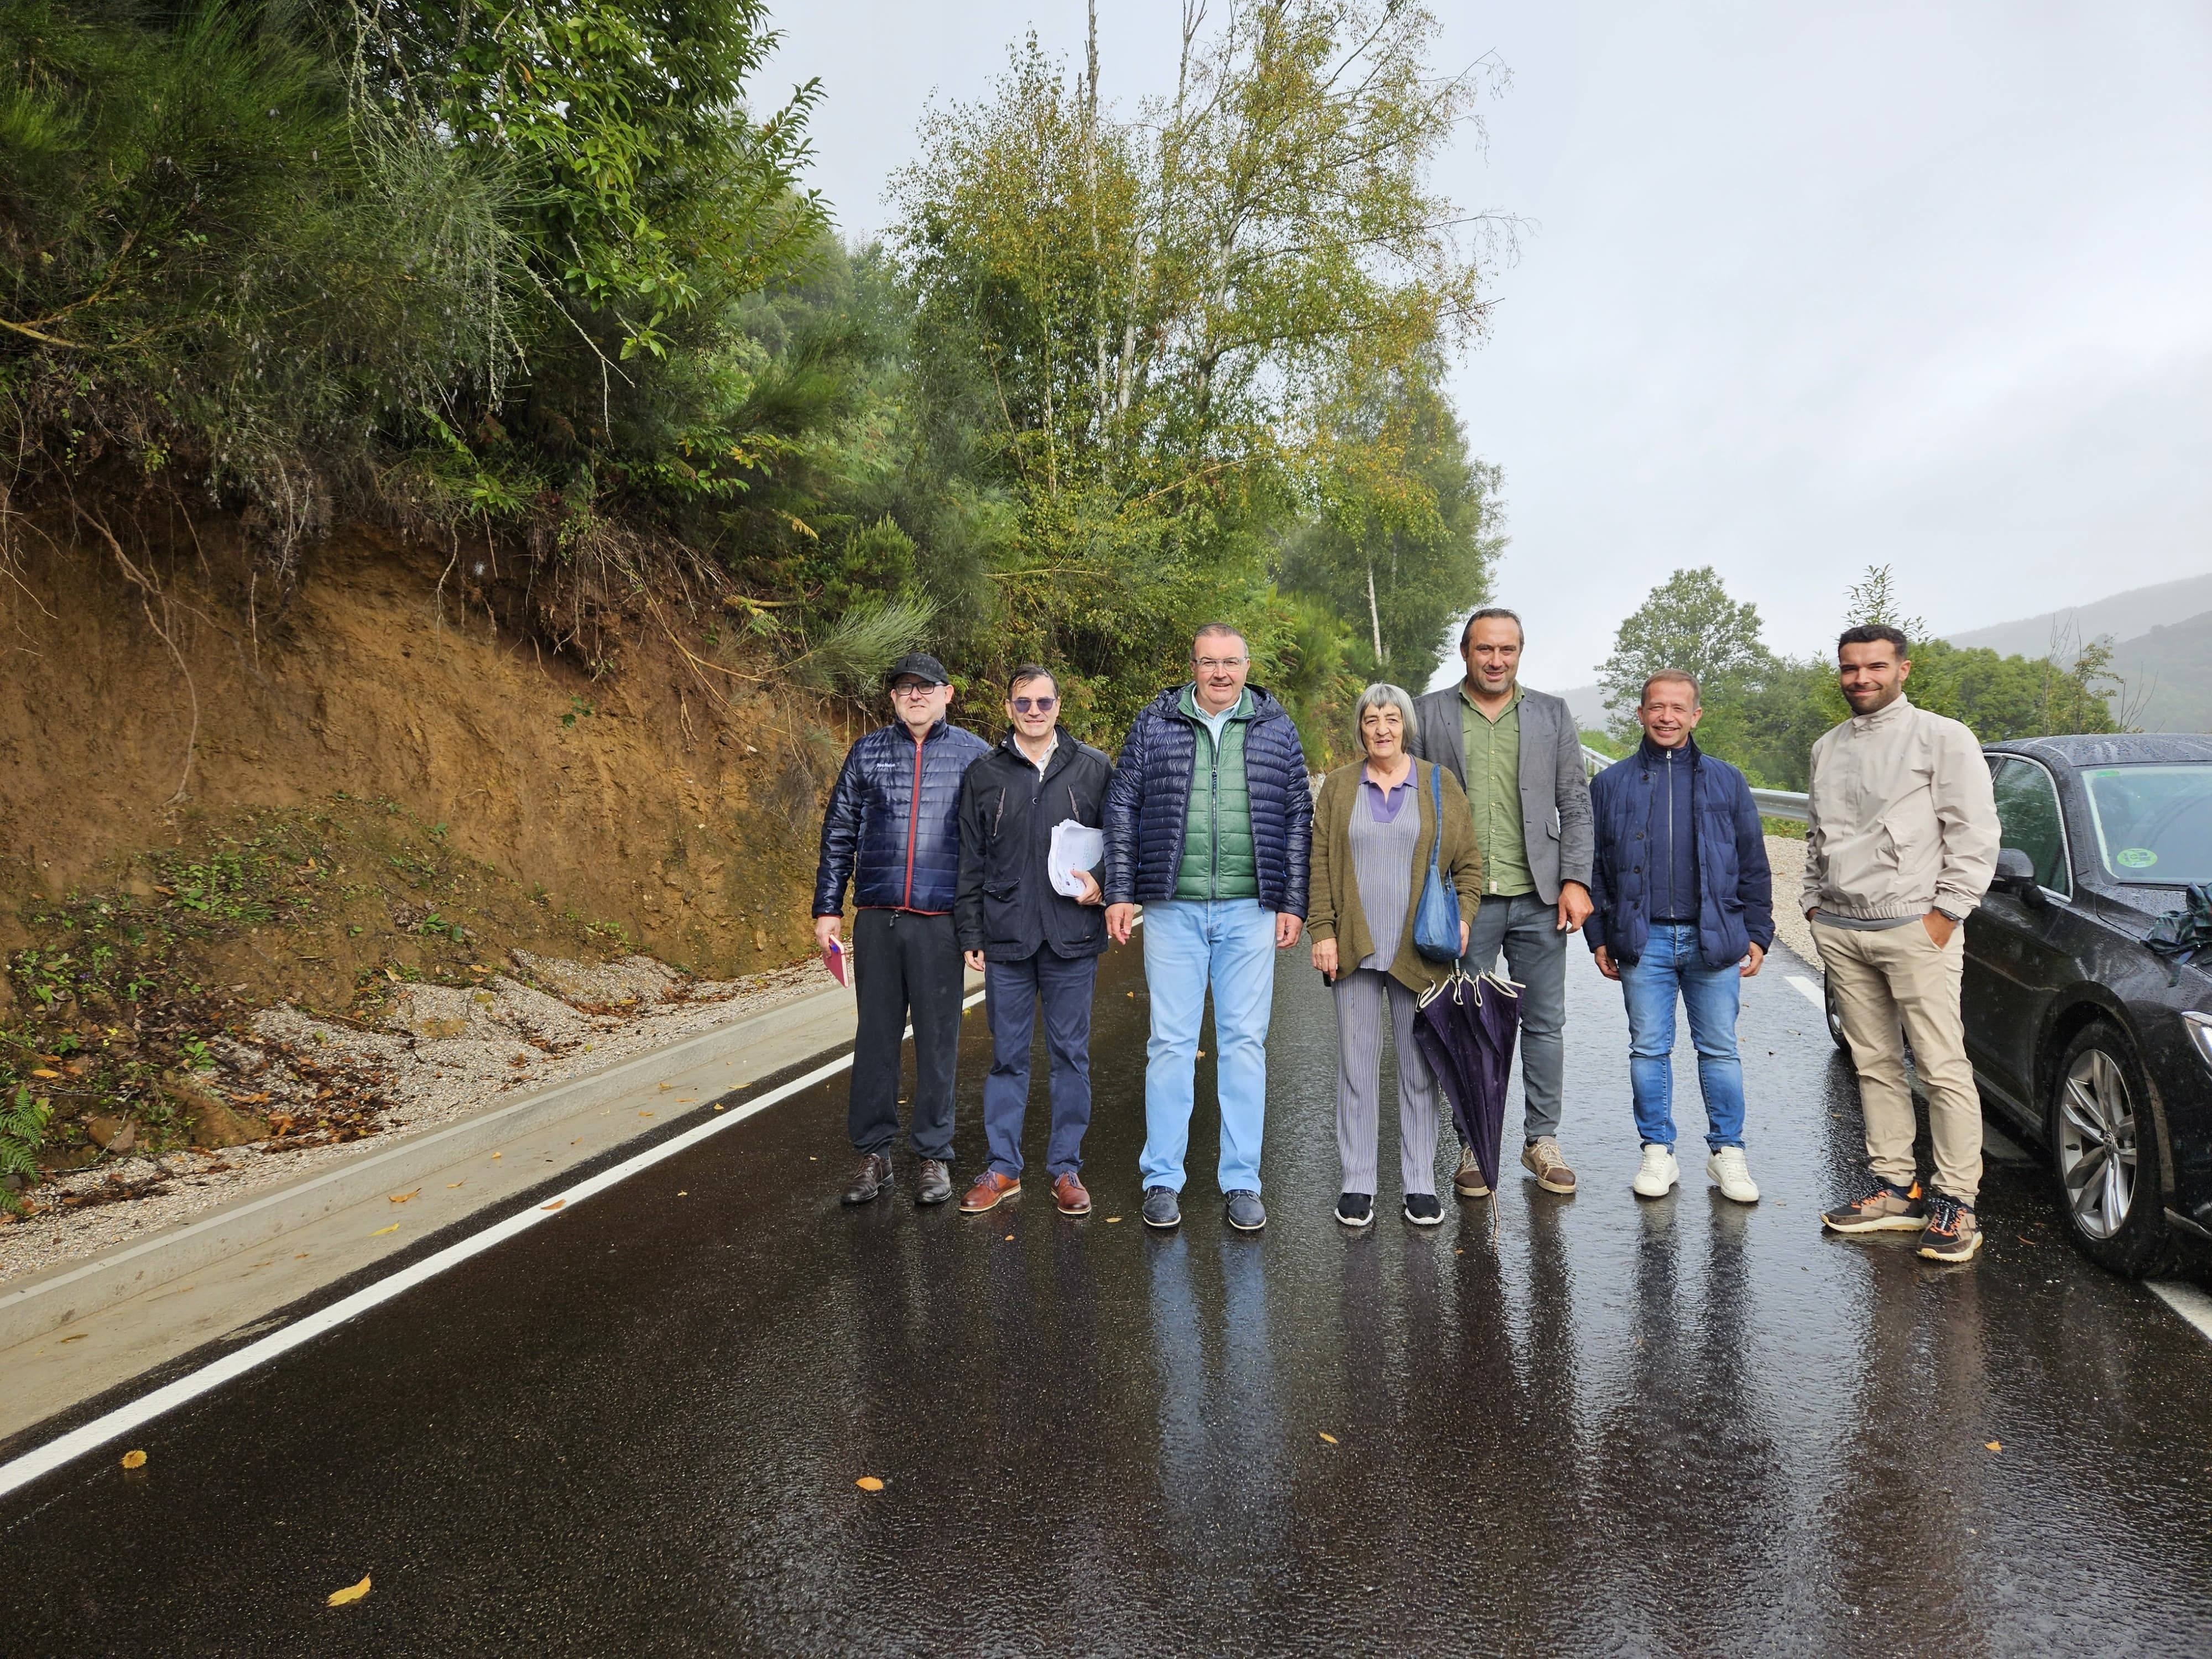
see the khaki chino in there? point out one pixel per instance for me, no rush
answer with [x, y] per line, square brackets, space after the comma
[1893, 980]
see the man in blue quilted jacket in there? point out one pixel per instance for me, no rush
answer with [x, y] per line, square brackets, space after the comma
[893, 831]
[1208, 825]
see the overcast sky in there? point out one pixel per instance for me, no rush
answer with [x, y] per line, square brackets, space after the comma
[1803, 287]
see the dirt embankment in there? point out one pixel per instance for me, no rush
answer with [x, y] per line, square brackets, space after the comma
[636, 800]
[376, 800]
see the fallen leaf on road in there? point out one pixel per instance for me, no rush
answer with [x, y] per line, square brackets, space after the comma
[811, 1158]
[381, 1232]
[1111, 1219]
[1326, 1435]
[578, 1141]
[869, 1483]
[683, 1194]
[1201, 1053]
[664, 1086]
[451, 1184]
[554, 1205]
[1010, 1238]
[718, 1105]
[1994, 1445]
[79, 1337]
[401, 1198]
[134, 1460]
[499, 1154]
[644, 1114]
[350, 1593]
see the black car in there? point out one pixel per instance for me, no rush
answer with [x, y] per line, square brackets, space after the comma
[2096, 1048]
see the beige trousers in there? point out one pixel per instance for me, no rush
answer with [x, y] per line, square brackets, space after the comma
[1898, 979]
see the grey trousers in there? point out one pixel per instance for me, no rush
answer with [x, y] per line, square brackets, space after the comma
[1535, 959]
[1360, 995]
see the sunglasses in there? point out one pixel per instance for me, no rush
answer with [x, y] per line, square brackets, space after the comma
[1042, 705]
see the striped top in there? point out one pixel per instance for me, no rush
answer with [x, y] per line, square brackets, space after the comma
[1383, 868]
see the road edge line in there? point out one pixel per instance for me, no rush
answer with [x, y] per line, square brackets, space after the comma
[2192, 1305]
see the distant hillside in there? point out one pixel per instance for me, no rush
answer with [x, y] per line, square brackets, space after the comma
[2123, 616]
[2168, 672]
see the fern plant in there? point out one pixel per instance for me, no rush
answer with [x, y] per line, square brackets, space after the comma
[23, 1121]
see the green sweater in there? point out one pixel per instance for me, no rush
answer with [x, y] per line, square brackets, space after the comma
[1216, 827]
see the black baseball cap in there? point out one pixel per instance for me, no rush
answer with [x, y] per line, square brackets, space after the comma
[920, 666]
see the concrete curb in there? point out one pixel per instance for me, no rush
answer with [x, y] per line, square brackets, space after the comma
[45, 1302]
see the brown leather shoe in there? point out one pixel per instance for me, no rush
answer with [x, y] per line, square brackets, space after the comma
[1068, 1193]
[986, 1191]
[1467, 1180]
[872, 1178]
[933, 1181]
[1541, 1157]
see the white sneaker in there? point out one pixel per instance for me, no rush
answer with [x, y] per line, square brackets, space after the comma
[1732, 1174]
[1658, 1173]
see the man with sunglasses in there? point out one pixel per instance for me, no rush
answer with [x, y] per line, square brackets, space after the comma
[892, 830]
[1035, 946]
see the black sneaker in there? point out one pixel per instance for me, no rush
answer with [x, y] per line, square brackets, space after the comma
[1952, 1234]
[1423, 1210]
[1355, 1209]
[1161, 1209]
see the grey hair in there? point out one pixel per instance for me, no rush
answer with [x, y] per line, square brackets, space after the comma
[1383, 695]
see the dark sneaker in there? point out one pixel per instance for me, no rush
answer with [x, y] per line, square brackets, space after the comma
[1423, 1210]
[1245, 1210]
[1161, 1209]
[872, 1179]
[1883, 1209]
[1467, 1180]
[988, 1191]
[1355, 1209]
[1952, 1234]
[932, 1183]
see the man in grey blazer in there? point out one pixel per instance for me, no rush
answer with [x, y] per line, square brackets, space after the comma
[1519, 755]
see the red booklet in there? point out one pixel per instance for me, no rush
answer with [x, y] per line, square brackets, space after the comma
[833, 958]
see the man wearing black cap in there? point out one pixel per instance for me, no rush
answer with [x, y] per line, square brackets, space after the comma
[893, 830]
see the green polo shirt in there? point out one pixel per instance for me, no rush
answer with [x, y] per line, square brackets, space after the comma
[1492, 755]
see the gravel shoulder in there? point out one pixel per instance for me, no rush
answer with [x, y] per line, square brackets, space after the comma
[450, 1051]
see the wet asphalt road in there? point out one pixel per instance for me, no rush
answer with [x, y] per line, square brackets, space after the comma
[1679, 1427]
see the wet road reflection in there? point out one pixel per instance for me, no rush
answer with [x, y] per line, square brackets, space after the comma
[1676, 1427]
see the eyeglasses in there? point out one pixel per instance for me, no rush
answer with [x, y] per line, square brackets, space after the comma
[912, 690]
[1213, 664]
[1042, 705]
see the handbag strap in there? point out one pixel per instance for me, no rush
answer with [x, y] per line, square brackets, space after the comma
[1436, 840]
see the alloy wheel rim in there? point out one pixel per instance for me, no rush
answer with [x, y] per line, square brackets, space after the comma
[2097, 1144]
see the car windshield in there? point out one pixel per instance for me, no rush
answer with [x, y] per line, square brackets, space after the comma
[2154, 823]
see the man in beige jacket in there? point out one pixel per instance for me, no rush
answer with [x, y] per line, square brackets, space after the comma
[1901, 840]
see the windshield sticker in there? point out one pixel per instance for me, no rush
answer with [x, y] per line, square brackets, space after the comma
[2135, 858]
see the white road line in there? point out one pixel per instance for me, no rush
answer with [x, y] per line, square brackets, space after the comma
[1813, 993]
[2191, 1303]
[106, 1431]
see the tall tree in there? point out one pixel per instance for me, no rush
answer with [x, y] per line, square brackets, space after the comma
[1688, 621]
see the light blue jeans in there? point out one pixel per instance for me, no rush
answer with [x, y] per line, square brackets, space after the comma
[1188, 945]
[1672, 965]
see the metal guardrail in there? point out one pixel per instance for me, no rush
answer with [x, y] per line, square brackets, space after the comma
[1772, 802]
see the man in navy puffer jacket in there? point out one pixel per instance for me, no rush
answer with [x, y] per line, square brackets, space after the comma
[1682, 907]
[893, 831]
[1209, 823]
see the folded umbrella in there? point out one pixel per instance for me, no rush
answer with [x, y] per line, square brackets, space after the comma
[1465, 1028]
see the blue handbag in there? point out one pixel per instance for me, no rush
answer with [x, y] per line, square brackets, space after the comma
[1436, 923]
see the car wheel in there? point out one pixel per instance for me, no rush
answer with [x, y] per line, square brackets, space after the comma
[2105, 1143]
[1835, 1015]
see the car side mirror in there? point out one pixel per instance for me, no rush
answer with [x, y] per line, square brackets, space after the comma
[2015, 874]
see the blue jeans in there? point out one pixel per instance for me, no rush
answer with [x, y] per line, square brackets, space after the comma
[1670, 966]
[1188, 945]
[1011, 991]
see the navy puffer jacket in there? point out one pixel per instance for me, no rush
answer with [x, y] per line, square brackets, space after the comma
[898, 857]
[1735, 886]
[1151, 798]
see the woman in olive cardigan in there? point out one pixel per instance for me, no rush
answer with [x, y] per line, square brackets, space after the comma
[1373, 826]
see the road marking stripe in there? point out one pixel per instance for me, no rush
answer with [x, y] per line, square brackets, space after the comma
[105, 1431]
[2191, 1303]
[1813, 994]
